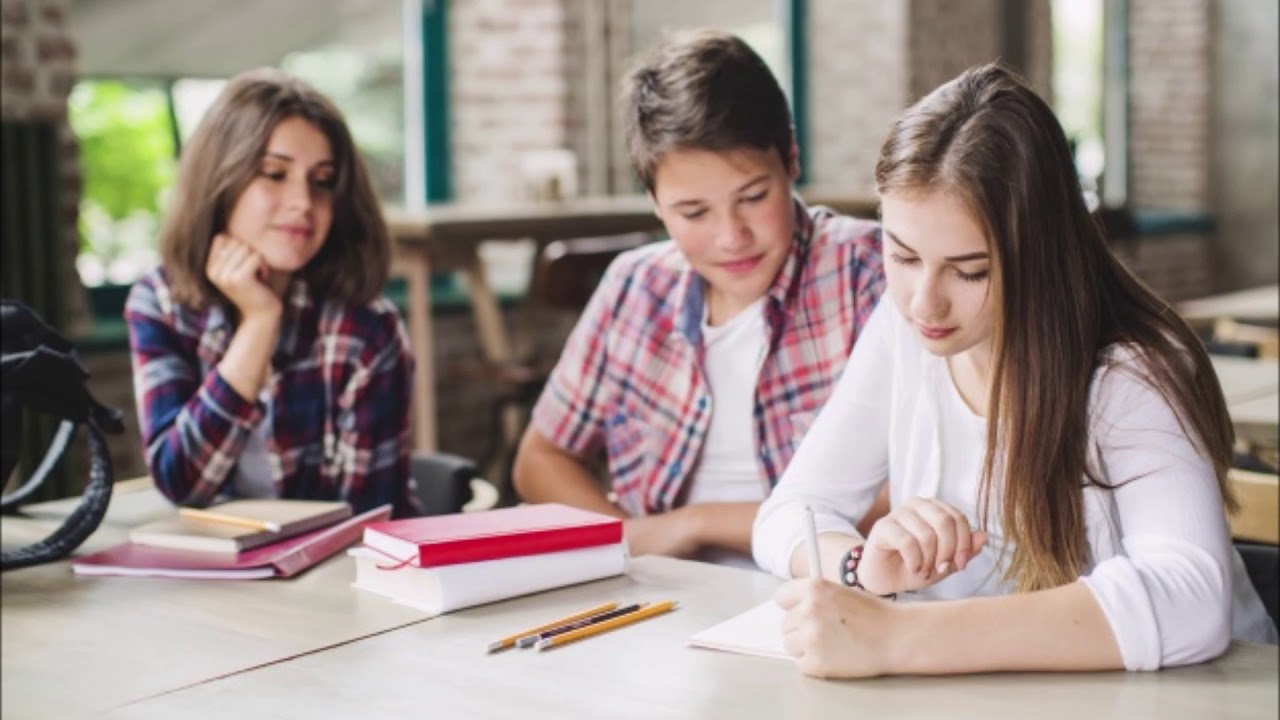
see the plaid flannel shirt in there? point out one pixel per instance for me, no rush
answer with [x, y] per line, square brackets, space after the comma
[630, 376]
[339, 382]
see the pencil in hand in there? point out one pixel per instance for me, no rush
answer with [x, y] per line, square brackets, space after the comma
[811, 540]
[596, 628]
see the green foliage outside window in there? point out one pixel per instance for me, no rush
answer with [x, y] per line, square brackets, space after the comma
[127, 161]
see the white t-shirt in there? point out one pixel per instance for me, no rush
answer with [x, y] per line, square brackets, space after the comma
[727, 470]
[254, 477]
[1162, 559]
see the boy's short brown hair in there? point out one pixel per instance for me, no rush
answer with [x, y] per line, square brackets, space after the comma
[705, 90]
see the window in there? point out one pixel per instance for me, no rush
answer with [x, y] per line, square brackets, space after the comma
[1078, 86]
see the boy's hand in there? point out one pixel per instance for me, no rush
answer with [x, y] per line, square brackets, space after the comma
[673, 533]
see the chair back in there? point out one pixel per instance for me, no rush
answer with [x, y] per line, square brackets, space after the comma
[1263, 564]
[568, 271]
[442, 482]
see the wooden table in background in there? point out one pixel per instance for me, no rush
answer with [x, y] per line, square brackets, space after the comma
[1260, 303]
[446, 237]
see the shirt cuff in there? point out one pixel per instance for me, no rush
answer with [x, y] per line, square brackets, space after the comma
[1121, 594]
[226, 403]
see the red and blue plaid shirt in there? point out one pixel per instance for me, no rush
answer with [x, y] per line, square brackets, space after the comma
[339, 383]
[630, 376]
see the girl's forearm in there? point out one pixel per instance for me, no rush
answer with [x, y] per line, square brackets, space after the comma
[247, 362]
[1050, 630]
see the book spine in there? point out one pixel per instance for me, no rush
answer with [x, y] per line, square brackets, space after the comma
[326, 543]
[467, 550]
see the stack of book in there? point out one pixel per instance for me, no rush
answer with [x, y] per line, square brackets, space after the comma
[238, 539]
[447, 562]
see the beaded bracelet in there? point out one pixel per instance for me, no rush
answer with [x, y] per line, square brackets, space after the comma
[849, 571]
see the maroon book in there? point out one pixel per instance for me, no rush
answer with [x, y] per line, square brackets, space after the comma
[282, 559]
[492, 534]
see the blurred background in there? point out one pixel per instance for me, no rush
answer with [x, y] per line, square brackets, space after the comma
[1171, 106]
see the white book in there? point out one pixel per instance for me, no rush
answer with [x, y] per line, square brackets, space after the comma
[757, 631]
[444, 588]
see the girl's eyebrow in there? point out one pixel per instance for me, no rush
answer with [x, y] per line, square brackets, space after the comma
[953, 258]
[289, 158]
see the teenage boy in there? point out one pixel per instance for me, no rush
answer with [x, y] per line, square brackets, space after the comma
[699, 362]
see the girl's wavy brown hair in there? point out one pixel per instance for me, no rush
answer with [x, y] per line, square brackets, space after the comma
[221, 159]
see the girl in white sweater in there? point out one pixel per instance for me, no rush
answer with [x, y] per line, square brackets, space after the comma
[1054, 436]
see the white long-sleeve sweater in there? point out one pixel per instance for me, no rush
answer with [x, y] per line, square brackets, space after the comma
[1163, 570]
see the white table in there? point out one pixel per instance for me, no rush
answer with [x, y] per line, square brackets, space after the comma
[439, 669]
[76, 645]
[312, 647]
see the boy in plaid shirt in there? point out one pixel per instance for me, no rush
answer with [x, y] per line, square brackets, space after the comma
[699, 362]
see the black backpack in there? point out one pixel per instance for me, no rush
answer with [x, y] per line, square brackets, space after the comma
[39, 371]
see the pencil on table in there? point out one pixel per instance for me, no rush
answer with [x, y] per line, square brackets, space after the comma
[217, 517]
[533, 638]
[597, 628]
[510, 640]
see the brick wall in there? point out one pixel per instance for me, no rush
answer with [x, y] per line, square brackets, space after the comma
[37, 73]
[944, 38]
[1169, 104]
[1169, 120]
[1177, 266]
[857, 67]
[509, 90]
[869, 60]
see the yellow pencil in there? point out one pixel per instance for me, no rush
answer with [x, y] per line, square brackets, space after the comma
[641, 614]
[510, 640]
[217, 517]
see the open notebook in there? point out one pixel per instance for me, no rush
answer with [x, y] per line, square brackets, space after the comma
[757, 631]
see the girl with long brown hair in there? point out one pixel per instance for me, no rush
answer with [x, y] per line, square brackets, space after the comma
[266, 361]
[1054, 436]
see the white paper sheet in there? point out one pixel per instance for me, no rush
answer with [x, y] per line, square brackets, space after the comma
[757, 631]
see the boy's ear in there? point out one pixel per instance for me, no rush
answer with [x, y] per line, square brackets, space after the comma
[653, 201]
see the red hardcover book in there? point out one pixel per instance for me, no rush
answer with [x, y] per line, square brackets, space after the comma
[492, 534]
[282, 559]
